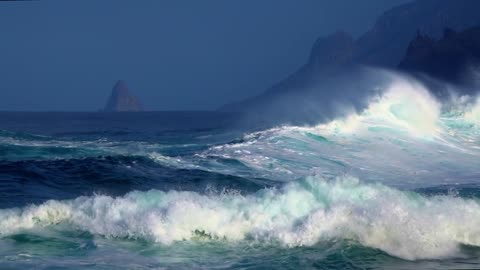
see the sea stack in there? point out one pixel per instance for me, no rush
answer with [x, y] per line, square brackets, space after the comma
[121, 100]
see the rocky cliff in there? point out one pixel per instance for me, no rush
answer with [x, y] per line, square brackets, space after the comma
[121, 100]
[450, 58]
[385, 43]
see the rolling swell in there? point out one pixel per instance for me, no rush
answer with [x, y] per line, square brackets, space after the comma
[34, 181]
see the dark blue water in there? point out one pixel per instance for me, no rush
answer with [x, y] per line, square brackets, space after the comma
[190, 190]
[65, 155]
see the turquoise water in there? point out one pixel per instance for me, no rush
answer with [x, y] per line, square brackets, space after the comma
[395, 186]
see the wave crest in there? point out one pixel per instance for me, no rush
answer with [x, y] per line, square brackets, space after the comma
[405, 104]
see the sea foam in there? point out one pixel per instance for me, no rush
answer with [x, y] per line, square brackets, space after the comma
[403, 224]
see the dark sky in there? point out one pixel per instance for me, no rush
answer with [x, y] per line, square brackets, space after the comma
[175, 54]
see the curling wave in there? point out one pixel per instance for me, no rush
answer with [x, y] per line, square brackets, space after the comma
[404, 137]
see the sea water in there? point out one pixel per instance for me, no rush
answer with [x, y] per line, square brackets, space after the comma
[393, 186]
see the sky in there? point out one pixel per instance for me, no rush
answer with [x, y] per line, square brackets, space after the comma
[66, 55]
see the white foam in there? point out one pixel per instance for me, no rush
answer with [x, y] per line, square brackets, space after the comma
[304, 213]
[405, 105]
[473, 114]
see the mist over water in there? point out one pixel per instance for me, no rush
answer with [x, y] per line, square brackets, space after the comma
[391, 183]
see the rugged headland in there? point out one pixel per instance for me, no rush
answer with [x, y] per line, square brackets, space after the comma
[392, 43]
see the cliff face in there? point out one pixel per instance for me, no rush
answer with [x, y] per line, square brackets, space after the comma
[121, 100]
[329, 56]
[332, 52]
[449, 58]
[384, 45]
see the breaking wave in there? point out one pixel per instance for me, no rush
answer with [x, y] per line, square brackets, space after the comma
[304, 213]
[404, 137]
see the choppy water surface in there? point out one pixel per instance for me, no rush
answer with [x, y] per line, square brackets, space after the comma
[395, 186]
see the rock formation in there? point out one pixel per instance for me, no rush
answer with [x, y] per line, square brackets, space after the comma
[121, 100]
[448, 59]
[385, 44]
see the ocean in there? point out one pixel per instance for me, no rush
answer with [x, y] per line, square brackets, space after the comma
[394, 186]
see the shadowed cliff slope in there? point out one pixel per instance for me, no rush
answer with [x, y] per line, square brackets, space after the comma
[452, 58]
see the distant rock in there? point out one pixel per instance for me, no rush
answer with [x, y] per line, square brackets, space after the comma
[121, 100]
[450, 58]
